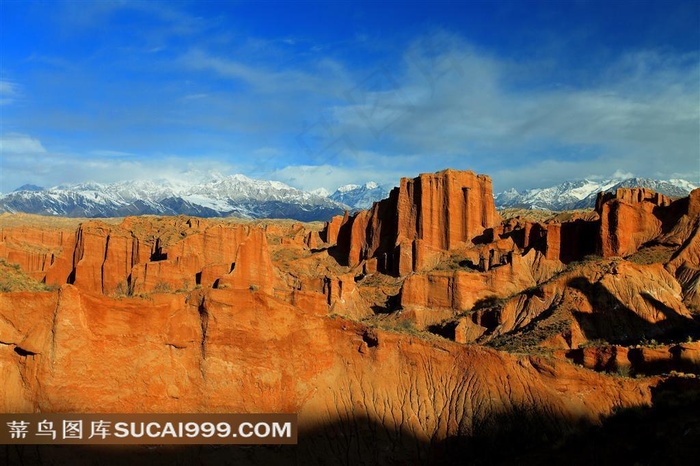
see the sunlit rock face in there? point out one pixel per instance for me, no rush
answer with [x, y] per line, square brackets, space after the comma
[400, 333]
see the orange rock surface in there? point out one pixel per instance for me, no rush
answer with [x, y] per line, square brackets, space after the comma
[632, 217]
[242, 350]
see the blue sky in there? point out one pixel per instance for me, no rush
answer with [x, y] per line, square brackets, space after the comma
[319, 94]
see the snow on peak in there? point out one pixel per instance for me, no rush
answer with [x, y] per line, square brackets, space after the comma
[347, 188]
[582, 194]
[359, 196]
[210, 195]
[322, 192]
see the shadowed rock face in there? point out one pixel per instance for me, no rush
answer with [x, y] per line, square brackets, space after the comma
[189, 315]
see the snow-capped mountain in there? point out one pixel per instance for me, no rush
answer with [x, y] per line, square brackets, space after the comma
[214, 196]
[323, 192]
[359, 196]
[582, 194]
[29, 187]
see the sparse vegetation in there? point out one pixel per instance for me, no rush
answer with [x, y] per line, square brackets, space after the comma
[12, 278]
[534, 215]
[528, 338]
[655, 254]
[407, 326]
[124, 289]
[393, 324]
[457, 262]
[162, 287]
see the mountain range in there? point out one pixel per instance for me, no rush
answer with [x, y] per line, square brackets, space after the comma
[214, 196]
[582, 194]
[237, 195]
[360, 196]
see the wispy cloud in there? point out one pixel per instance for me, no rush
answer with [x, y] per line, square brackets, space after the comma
[318, 78]
[167, 17]
[9, 92]
[26, 160]
[110, 153]
[20, 144]
[310, 177]
[642, 115]
[196, 96]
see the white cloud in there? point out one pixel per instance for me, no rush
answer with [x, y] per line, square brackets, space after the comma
[9, 92]
[110, 153]
[279, 80]
[329, 177]
[453, 101]
[196, 96]
[25, 160]
[622, 174]
[20, 144]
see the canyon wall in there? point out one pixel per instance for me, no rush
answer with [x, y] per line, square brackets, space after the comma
[226, 350]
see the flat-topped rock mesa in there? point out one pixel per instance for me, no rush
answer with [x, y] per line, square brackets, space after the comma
[424, 215]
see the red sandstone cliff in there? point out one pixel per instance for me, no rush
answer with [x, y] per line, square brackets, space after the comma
[632, 217]
[242, 350]
[424, 215]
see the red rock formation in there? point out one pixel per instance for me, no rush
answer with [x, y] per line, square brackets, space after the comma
[313, 240]
[615, 301]
[694, 203]
[44, 254]
[647, 360]
[467, 331]
[624, 228]
[435, 295]
[332, 228]
[629, 218]
[267, 321]
[632, 196]
[311, 301]
[571, 240]
[433, 212]
[344, 298]
[141, 255]
[685, 262]
[445, 209]
[253, 268]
